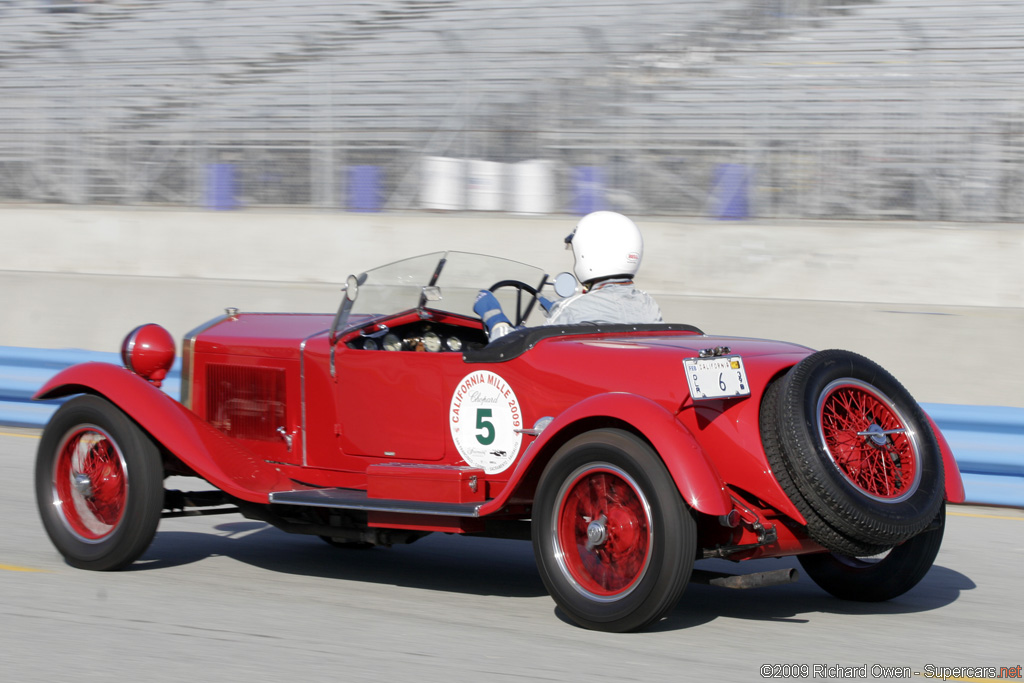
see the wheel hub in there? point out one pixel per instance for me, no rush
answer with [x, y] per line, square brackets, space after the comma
[597, 532]
[875, 434]
[879, 436]
[90, 483]
[602, 532]
[867, 438]
[82, 484]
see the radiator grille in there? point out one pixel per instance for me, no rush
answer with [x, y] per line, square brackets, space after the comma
[246, 402]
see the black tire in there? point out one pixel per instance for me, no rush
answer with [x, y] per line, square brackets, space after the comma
[861, 461]
[817, 528]
[867, 579]
[614, 540]
[99, 485]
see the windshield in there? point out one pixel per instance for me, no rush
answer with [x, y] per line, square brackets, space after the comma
[457, 277]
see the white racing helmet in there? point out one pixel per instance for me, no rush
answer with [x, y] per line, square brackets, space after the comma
[605, 244]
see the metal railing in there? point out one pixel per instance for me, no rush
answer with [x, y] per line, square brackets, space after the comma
[773, 108]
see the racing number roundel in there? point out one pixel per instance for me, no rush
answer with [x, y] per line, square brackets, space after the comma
[483, 417]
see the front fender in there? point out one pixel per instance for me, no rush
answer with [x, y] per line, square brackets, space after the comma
[954, 482]
[691, 469]
[212, 455]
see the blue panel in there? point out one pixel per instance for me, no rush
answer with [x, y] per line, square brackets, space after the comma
[731, 192]
[588, 190]
[364, 189]
[24, 370]
[221, 187]
[994, 490]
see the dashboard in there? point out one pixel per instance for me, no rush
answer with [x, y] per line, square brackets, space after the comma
[426, 335]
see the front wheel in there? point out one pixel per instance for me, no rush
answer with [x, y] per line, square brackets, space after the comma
[99, 485]
[876, 579]
[614, 540]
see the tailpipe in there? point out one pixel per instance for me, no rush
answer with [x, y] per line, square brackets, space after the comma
[756, 580]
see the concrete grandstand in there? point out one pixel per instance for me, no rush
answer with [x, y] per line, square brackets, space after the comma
[905, 109]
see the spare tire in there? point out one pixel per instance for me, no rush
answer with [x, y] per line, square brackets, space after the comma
[854, 452]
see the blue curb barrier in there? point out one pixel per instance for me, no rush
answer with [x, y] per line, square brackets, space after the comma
[987, 441]
[24, 370]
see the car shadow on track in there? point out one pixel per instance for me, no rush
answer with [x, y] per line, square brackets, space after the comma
[476, 566]
[494, 567]
[789, 602]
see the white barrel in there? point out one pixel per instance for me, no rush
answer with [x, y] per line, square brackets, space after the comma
[533, 183]
[485, 185]
[442, 183]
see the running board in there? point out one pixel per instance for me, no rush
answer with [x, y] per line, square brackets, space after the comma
[353, 499]
[755, 580]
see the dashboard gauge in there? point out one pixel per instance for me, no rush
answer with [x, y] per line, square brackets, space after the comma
[453, 343]
[370, 344]
[431, 342]
[392, 342]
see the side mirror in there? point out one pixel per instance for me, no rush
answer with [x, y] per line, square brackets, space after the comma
[565, 285]
[351, 287]
[351, 290]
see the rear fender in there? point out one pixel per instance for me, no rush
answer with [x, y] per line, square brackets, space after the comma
[210, 453]
[954, 483]
[691, 470]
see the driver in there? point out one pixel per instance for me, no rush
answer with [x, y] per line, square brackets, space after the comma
[607, 248]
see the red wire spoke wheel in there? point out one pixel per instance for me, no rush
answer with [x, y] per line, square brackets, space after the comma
[869, 440]
[90, 485]
[853, 451]
[602, 531]
[614, 541]
[99, 484]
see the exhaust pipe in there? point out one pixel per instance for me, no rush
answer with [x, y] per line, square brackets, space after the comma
[756, 580]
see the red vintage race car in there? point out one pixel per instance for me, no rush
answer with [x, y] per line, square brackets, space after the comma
[626, 453]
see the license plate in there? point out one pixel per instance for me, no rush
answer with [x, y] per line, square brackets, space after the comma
[720, 377]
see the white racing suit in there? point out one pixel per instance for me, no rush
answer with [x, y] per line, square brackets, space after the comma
[608, 302]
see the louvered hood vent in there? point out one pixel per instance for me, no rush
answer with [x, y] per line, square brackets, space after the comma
[245, 402]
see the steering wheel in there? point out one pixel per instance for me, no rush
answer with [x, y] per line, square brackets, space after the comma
[521, 287]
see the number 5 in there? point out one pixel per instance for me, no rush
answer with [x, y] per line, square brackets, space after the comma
[488, 438]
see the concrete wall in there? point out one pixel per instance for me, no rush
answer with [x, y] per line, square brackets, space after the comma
[941, 306]
[943, 264]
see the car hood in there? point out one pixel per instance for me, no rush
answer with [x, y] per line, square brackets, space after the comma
[272, 335]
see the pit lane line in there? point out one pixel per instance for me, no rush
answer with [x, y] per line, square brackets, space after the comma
[20, 436]
[975, 514]
[16, 568]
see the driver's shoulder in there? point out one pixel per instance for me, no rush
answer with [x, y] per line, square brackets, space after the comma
[561, 311]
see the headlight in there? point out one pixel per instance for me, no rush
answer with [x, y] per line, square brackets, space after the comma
[148, 351]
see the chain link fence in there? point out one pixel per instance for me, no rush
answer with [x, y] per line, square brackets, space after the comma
[897, 109]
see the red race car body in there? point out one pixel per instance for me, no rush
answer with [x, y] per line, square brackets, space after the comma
[625, 452]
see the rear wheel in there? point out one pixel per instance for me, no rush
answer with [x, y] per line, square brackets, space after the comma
[879, 578]
[614, 540]
[853, 451]
[99, 485]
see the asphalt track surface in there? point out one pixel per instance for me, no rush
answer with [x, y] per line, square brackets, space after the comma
[223, 598]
